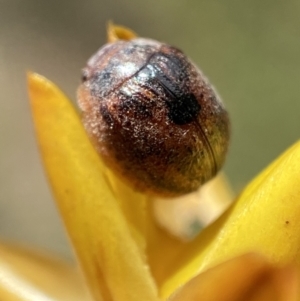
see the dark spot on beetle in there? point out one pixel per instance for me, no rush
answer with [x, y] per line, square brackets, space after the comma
[84, 76]
[183, 107]
[106, 75]
[127, 124]
[106, 115]
[184, 110]
[287, 222]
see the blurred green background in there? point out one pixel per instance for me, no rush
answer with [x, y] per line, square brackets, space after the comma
[249, 50]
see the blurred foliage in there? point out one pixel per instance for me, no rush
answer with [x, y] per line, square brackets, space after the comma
[249, 50]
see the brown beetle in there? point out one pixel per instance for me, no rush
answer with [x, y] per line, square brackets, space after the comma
[153, 116]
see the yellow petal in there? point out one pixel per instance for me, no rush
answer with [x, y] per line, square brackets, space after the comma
[248, 277]
[264, 219]
[117, 32]
[281, 284]
[108, 254]
[134, 206]
[30, 276]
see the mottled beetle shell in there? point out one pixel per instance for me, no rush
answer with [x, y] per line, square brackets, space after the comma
[153, 117]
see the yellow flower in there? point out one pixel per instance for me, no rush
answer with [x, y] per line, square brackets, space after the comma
[123, 254]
